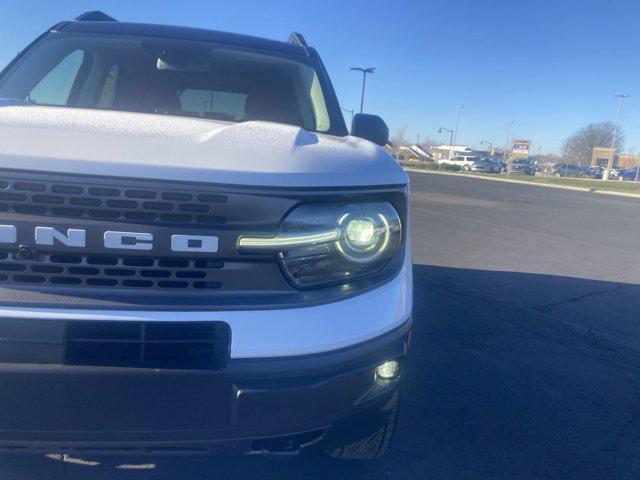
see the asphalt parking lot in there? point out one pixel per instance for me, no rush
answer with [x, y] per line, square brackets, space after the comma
[526, 348]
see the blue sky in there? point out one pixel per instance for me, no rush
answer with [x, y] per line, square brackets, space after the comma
[549, 66]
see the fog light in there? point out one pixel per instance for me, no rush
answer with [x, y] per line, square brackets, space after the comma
[388, 370]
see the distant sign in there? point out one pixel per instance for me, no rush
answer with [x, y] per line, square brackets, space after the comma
[520, 148]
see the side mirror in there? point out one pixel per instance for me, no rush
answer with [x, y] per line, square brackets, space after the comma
[370, 127]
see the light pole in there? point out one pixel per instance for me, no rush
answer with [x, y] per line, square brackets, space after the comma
[418, 140]
[364, 81]
[450, 139]
[348, 111]
[612, 154]
[485, 142]
[506, 145]
[455, 135]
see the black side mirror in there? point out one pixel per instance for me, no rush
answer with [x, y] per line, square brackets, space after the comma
[370, 127]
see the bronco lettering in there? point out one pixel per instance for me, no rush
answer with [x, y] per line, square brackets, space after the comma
[77, 238]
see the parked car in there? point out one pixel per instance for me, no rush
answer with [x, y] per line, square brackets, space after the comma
[596, 171]
[629, 174]
[465, 162]
[549, 168]
[524, 166]
[614, 174]
[572, 170]
[500, 166]
[497, 166]
[167, 290]
[485, 165]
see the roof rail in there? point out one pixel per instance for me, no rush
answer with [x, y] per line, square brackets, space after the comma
[298, 40]
[94, 16]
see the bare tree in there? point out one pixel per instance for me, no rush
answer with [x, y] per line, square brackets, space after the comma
[578, 147]
[427, 142]
[399, 139]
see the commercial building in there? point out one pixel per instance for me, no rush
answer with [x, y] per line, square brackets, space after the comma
[442, 151]
[600, 157]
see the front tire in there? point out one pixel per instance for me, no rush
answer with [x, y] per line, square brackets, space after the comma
[374, 445]
[466, 168]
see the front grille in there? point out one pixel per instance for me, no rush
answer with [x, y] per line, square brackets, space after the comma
[161, 208]
[111, 271]
[183, 345]
[135, 204]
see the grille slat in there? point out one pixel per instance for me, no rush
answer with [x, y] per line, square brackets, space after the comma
[142, 205]
[98, 204]
[129, 272]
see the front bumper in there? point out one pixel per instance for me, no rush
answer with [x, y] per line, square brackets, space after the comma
[269, 405]
[295, 378]
[285, 332]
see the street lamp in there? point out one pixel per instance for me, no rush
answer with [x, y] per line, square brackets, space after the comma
[612, 154]
[418, 140]
[364, 81]
[348, 111]
[506, 145]
[455, 135]
[450, 139]
[486, 142]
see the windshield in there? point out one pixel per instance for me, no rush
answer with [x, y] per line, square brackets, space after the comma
[170, 77]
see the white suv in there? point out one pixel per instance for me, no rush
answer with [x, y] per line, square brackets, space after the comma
[465, 162]
[195, 254]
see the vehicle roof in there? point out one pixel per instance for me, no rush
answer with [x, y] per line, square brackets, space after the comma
[182, 33]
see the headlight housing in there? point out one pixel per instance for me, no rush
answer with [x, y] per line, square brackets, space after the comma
[319, 245]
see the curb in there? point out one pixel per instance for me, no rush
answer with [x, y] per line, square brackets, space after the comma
[535, 184]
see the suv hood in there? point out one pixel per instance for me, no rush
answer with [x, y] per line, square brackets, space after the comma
[135, 145]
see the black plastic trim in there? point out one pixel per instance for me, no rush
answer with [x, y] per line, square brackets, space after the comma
[338, 126]
[55, 29]
[94, 16]
[298, 40]
[97, 298]
[249, 399]
[230, 187]
[185, 33]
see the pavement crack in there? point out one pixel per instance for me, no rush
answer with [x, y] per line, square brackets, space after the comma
[600, 352]
[579, 298]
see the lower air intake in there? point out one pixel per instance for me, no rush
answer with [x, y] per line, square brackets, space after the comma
[165, 345]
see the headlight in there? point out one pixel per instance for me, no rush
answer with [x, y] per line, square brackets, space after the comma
[325, 244]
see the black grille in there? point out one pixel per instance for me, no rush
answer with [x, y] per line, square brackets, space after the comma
[163, 208]
[171, 345]
[111, 271]
[133, 204]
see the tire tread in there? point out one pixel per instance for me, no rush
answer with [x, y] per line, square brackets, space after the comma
[371, 446]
